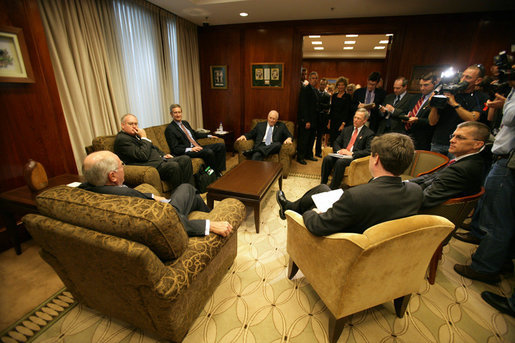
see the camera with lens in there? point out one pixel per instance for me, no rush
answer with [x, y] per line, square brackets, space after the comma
[449, 83]
[505, 74]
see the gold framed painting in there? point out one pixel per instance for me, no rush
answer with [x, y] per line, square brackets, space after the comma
[218, 77]
[14, 57]
[266, 75]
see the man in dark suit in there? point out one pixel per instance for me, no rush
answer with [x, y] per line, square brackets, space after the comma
[416, 122]
[370, 97]
[324, 102]
[268, 137]
[353, 142]
[134, 148]
[104, 174]
[307, 119]
[464, 174]
[182, 140]
[384, 198]
[395, 107]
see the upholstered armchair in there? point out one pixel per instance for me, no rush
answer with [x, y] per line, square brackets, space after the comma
[285, 155]
[130, 258]
[353, 272]
[137, 175]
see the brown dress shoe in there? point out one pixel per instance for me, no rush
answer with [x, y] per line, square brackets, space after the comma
[466, 237]
[470, 273]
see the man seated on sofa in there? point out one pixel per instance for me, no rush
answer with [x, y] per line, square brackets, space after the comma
[353, 142]
[104, 173]
[268, 137]
[465, 173]
[384, 198]
[134, 148]
[182, 140]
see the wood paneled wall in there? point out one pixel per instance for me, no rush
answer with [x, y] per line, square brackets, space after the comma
[355, 70]
[33, 124]
[458, 40]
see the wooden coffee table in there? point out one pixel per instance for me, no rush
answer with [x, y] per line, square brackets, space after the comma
[248, 182]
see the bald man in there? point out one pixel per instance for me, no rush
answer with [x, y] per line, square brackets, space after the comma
[104, 174]
[268, 137]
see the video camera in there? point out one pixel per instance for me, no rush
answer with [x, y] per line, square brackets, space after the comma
[449, 83]
[501, 86]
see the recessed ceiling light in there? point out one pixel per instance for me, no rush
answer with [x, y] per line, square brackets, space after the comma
[389, 34]
[316, 42]
[379, 47]
[314, 36]
[348, 48]
[351, 35]
[350, 42]
[318, 48]
[384, 41]
[244, 14]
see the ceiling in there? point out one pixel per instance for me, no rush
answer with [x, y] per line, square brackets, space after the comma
[363, 46]
[222, 12]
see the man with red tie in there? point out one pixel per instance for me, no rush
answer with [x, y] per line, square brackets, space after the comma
[353, 142]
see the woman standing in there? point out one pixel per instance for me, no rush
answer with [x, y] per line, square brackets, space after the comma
[340, 113]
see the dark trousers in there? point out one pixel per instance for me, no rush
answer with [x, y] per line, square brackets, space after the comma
[176, 171]
[305, 203]
[261, 151]
[212, 154]
[186, 199]
[339, 165]
[306, 138]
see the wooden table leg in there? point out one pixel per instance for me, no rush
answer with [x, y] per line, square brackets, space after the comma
[210, 201]
[281, 182]
[256, 216]
[12, 230]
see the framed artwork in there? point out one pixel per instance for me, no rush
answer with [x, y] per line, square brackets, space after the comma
[419, 71]
[218, 77]
[14, 57]
[266, 75]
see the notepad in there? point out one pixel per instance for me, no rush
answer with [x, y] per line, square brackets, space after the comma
[324, 201]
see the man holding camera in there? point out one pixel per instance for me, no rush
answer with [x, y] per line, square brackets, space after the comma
[460, 107]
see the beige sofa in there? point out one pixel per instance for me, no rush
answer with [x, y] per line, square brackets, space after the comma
[130, 258]
[284, 156]
[137, 175]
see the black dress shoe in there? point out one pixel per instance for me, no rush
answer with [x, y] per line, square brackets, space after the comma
[498, 302]
[281, 200]
[470, 273]
[248, 153]
[302, 161]
[311, 159]
[466, 237]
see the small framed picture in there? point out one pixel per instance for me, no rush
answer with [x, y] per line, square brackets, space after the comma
[14, 57]
[218, 77]
[266, 75]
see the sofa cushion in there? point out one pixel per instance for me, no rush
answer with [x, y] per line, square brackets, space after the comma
[151, 223]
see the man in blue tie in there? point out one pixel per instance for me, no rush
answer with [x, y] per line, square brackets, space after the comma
[268, 137]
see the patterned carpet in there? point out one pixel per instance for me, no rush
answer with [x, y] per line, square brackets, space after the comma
[257, 303]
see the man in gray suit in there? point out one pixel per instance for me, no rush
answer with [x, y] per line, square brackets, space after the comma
[395, 107]
[384, 198]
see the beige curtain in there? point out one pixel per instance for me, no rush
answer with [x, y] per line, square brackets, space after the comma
[189, 72]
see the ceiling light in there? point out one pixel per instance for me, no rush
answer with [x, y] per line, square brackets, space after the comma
[350, 42]
[318, 48]
[389, 35]
[384, 41]
[244, 14]
[351, 35]
[314, 36]
[379, 47]
[316, 42]
[348, 48]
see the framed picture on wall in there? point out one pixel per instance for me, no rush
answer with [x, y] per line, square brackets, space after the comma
[266, 75]
[14, 57]
[419, 71]
[218, 77]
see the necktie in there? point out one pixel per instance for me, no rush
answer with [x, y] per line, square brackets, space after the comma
[414, 111]
[367, 99]
[192, 141]
[352, 139]
[268, 138]
[396, 100]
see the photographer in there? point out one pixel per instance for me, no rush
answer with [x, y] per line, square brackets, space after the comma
[463, 106]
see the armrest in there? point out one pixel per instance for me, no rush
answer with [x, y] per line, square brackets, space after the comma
[230, 210]
[136, 175]
[241, 146]
[146, 188]
[212, 140]
[288, 149]
[326, 151]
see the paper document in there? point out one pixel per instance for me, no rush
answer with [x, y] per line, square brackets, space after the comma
[73, 184]
[333, 154]
[324, 201]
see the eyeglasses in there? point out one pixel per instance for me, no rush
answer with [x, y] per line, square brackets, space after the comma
[461, 138]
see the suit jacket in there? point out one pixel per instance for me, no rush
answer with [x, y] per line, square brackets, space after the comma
[462, 178]
[421, 131]
[361, 145]
[382, 199]
[177, 139]
[308, 106]
[280, 133]
[401, 109]
[136, 151]
[192, 227]
[379, 94]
